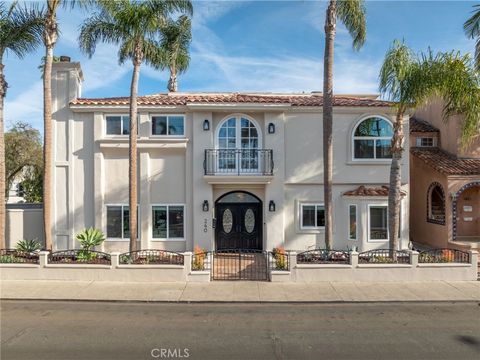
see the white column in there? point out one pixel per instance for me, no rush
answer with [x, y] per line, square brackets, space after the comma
[203, 232]
[144, 210]
[275, 223]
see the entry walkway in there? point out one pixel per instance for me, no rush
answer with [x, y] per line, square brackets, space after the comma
[238, 291]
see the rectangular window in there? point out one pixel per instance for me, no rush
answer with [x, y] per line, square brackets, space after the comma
[117, 124]
[352, 222]
[378, 222]
[168, 222]
[426, 142]
[168, 125]
[312, 216]
[118, 222]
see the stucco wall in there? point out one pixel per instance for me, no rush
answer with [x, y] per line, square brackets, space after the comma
[22, 224]
[450, 130]
[421, 231]
[92, 170]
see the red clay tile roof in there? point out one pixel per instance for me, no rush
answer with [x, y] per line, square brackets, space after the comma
[366, 191]
[417, 125]
[447, 163]
[176, 99]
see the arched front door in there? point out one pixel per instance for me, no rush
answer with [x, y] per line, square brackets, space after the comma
[239, 222]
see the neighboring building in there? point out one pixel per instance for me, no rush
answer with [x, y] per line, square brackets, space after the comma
[226, 170]
[445, 181]
[15, 193]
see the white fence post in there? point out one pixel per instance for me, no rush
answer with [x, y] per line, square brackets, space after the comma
[354, 259]
[292, 261]
[187, 262]
[414, 258]
[115, 258]
[474, 262]
[43, 258]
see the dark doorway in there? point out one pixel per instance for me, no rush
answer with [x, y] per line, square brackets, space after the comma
[239, 222]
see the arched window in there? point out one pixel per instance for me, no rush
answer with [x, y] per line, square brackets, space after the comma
[436, 204]
[238, 142]
[372, 139]
[238, 133]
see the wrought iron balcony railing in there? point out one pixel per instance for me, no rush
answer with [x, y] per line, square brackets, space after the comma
[238, 162]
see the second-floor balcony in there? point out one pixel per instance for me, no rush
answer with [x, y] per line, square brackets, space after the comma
[238, 162]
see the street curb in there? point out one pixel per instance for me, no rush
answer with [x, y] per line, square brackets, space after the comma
[246, 302]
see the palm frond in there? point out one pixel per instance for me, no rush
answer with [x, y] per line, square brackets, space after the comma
[352, 14]
[177, 36]
[98, 28]
[472, 25]
[21, 29]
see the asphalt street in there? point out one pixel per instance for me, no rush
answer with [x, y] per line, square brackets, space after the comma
[108, 330]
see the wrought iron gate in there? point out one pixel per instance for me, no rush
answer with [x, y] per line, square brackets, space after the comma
[240, 264]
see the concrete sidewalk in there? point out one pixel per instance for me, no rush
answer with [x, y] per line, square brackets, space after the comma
[234, 291]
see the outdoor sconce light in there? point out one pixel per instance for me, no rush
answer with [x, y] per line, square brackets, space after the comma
[205, 205]
[271, 128]
[271, 206]
[206, 125]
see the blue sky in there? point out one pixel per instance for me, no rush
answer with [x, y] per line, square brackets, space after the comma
[272, 46]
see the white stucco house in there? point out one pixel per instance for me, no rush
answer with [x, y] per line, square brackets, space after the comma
[221, 170]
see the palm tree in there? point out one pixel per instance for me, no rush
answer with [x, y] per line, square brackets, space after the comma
[472, 30]
[135, 26]
[20, 33]
[352, 14]
[177, 36]
[411, 81]
[50, 37]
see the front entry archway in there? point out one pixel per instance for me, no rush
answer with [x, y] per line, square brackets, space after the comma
[466, 212]
[239, 222]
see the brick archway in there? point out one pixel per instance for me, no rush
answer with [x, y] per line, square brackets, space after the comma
[455, 205]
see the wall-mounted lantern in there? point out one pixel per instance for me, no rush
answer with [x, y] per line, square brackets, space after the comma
[206, 125]
[271, 128]
[271, 206]
[205, 205]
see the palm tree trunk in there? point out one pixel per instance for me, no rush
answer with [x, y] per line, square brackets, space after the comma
[172, 82]
[47, 147]
[330, 25]
[395, 183]
[3, 90]
[133, 156]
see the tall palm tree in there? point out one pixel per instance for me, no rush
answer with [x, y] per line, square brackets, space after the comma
[135, 26]
[472, 30]
[50, 37]
[411, 81]
[20, 33]
[177, 36]
[352, 14]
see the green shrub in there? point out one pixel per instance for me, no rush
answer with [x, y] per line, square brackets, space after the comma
[28, 245]
[86, 255]
[9, 259]
[90, 238]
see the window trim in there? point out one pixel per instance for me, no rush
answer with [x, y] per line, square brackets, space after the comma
[106, 220]
[168, 238]
[121, 125]
[430, 189]
[418, 141]
[353, 138]
[151, 116]
[383, 204]
[237, 117]
[301, 205]
[356, 222]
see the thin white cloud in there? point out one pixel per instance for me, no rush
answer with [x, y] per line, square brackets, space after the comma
[27, 107]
